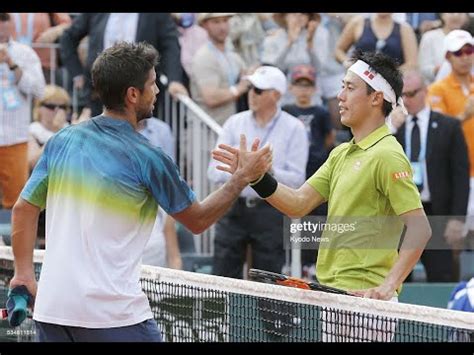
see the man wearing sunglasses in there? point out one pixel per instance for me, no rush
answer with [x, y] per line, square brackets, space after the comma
[437, 150]
[251, 220]
[454, 95]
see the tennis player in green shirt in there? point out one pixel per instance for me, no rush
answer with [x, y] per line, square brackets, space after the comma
[369, 179]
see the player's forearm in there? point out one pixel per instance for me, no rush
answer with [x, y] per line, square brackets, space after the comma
[407, 260]
[216, 204]
[24, 228]
[294, 176]
[417, 235]
[288, 201]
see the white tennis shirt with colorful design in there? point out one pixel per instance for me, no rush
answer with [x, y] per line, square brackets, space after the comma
[100, 182]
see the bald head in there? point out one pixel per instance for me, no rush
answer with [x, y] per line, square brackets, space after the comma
[414, 91]
[414, 76]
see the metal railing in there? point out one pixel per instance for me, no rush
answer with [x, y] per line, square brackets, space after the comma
[53, 60]
[195, 134]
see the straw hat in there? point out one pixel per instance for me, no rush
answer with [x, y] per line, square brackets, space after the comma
[203, 16]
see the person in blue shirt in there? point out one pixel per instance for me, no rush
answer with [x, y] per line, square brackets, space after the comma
[462, 297]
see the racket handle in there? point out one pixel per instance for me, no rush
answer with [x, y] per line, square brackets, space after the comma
[17, 303]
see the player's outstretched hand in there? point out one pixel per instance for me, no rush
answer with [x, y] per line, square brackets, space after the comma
[231, 157]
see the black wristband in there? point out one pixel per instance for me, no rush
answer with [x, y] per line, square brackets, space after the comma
[13, 67]
[266, 186]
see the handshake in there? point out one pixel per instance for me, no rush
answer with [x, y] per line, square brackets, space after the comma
[252, 166]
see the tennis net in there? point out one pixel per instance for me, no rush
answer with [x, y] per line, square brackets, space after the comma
[192, 307]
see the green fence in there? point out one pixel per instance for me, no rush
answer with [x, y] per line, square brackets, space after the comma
[427, 294]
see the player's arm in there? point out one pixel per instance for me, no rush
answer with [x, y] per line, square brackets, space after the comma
[295, 203]
[417, 234]
[24, 227]
[25, 216]
[202, 214]
[250, 165]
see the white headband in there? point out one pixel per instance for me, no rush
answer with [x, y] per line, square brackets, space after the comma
[378, 83]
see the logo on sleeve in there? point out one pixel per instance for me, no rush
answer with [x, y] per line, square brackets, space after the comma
[401, 175]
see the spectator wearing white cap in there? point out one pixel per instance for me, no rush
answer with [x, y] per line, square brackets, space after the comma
[445, 68]
[431, 54]
[216, 72]
[454, 95]
[251, 220]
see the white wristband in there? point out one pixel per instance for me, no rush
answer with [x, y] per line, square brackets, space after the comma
[234, 91]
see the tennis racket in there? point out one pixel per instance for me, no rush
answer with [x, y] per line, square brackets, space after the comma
[284, 280]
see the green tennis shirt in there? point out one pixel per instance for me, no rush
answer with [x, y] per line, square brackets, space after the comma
[367, 185]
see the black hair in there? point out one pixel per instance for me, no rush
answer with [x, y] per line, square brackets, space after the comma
[388, 68]
[119, 67]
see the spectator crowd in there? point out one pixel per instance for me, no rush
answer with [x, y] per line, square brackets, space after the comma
[275, 76]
